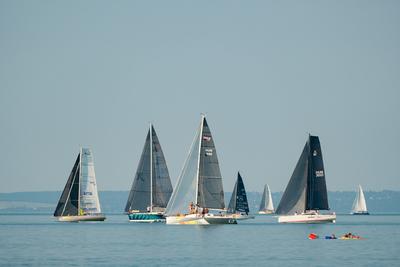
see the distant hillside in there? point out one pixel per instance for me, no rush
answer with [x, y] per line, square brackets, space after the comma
[114, 201]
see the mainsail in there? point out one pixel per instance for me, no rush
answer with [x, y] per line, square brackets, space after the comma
[359, 205]
[266, 201]
[238, 202]
[151, 186]
[306, 189]
[200, 181]
[80, 196]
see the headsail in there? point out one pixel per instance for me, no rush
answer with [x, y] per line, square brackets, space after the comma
[200, 181]
[238, 202]
[306, 189]
[152, 185]
[89, 199]
[69, 200]
[359, 204]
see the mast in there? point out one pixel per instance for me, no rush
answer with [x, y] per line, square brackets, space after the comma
[151, 168]
[79, 184]
[198, 161]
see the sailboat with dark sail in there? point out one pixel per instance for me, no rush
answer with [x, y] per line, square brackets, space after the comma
[266, 205]
[199, 186]
[359, 204]
[79, 200]
[151, 188]
[306, 192]
[238, 205]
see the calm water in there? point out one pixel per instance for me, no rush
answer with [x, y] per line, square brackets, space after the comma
[39, 240]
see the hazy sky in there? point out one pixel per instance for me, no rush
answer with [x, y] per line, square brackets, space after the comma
[266, 73]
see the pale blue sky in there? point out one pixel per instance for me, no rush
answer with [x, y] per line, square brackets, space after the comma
[265, 72]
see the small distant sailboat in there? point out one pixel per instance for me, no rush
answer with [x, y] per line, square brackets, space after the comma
[80, 201]
[151, 188]
[199, 185]
[306, 191]
[238, 205]
[266, 206]
[359, 204]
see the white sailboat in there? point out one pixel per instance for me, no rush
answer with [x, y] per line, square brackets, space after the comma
[359, 204]
[79, 200]
[198, 197]
[151, 188]
[306, 192]
[266, 206]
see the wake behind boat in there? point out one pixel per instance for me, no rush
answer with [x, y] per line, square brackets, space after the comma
[79, 200]
[199, 186]
[151, 188]
[359, 205]
[306, 192]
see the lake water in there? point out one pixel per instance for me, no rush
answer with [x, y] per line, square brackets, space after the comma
[38, 240]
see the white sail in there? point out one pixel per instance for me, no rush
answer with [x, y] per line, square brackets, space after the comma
[186, 187]
[88, 196]
[359, 204]
[270, 205]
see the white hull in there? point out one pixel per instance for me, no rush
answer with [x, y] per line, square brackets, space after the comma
[266, 212]
[199, 219]
[308, 218]
[82, 218]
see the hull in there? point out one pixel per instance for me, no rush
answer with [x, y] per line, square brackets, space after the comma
[82, 218]
[308, 218]
[146, 217]
[198, 219]
[266, 212]
[361, 213]
[240, 217]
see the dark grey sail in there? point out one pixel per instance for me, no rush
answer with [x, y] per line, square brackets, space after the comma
[317, 195]
[210, 190]
[139, 196]
[68, 203]
[152, 172]
[162, 187]
[263, 204]
[238, 202]
[306, 189]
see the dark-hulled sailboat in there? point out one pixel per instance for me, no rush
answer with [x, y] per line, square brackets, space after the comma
[238, 205]
[151, 188]
[306, 192]
[199, 192]
[79, 200]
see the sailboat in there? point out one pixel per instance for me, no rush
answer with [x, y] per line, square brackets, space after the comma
[199, 186]
[80, 201]
[359, 204]
[238, 205]
[151, 188]
[306, 192]
[266, 206]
